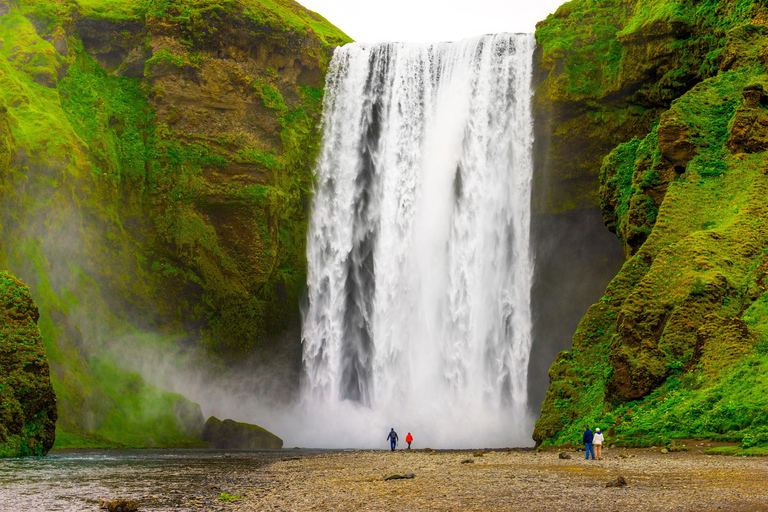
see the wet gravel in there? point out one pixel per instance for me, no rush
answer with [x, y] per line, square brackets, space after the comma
[288, 480]
[512, 480]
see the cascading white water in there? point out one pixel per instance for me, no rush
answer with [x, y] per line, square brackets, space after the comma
[419, 261]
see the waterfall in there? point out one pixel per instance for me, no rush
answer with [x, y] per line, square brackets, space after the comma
[418, 249]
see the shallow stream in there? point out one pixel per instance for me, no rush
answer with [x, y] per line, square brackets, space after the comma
[157, 479]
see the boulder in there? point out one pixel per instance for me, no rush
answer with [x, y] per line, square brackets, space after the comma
[27, 400]
[122, 506]
[619, 482]
[233, 435]
[563, 455]
[406, 476]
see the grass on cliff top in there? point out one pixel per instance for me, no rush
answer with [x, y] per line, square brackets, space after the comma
[591, 50]
[583, 33]
[282, 15]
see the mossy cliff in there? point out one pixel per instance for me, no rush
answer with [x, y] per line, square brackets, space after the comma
[157, 193]
[677, 347]
[27, 400]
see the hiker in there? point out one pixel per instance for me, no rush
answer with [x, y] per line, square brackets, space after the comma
[587, 438]
[409, 440]
[392, 438]
[597, 443]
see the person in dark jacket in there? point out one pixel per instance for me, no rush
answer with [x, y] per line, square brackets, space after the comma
[392, 438]
[587, 438]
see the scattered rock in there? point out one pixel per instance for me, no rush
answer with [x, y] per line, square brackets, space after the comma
[291, 458]
[619, 482]
[468, 461]
[103, 502]
[122, 506]
[406, 476]
[479, 453]
[563, 455]
[428, 450]
[664, 450]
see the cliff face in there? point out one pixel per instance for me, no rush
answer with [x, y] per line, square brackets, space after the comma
[157, 193]
[676, 347]
[605, 72]
[28, 404]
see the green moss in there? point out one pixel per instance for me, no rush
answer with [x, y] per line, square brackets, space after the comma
[229, 497]
[71, 441]
[675, 348]
[605, 73]
[164, 56]
[150, 233]
[280, 15]
[722, 450]
[27, 400]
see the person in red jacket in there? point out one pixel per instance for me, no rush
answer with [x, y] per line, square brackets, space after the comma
[409, 440]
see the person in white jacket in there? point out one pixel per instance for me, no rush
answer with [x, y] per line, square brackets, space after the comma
[597, 442]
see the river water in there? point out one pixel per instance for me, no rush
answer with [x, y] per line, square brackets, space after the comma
[165, 480]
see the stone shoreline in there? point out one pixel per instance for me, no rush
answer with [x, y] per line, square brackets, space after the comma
[507, 480]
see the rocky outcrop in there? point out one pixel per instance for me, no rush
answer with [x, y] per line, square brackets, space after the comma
[603, 74]
[680, 334]
[749, 132]
[27, 399]
[233, 435]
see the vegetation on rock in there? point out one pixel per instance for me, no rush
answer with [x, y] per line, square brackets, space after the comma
[677, 347]
[605, 71]
[155, 164]
[27, 400]
[233, 435]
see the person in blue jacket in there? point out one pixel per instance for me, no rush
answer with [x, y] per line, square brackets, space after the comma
[392, 438]
[587, 438]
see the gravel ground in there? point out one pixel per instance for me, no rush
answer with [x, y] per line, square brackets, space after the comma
[508, 480]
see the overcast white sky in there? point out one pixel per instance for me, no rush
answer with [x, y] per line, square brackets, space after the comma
[431, 20]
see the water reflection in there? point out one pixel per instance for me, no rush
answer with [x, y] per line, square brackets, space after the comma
[157, 479]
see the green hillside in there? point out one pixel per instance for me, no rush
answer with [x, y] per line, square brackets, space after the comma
[677, 346]
[155, 196]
